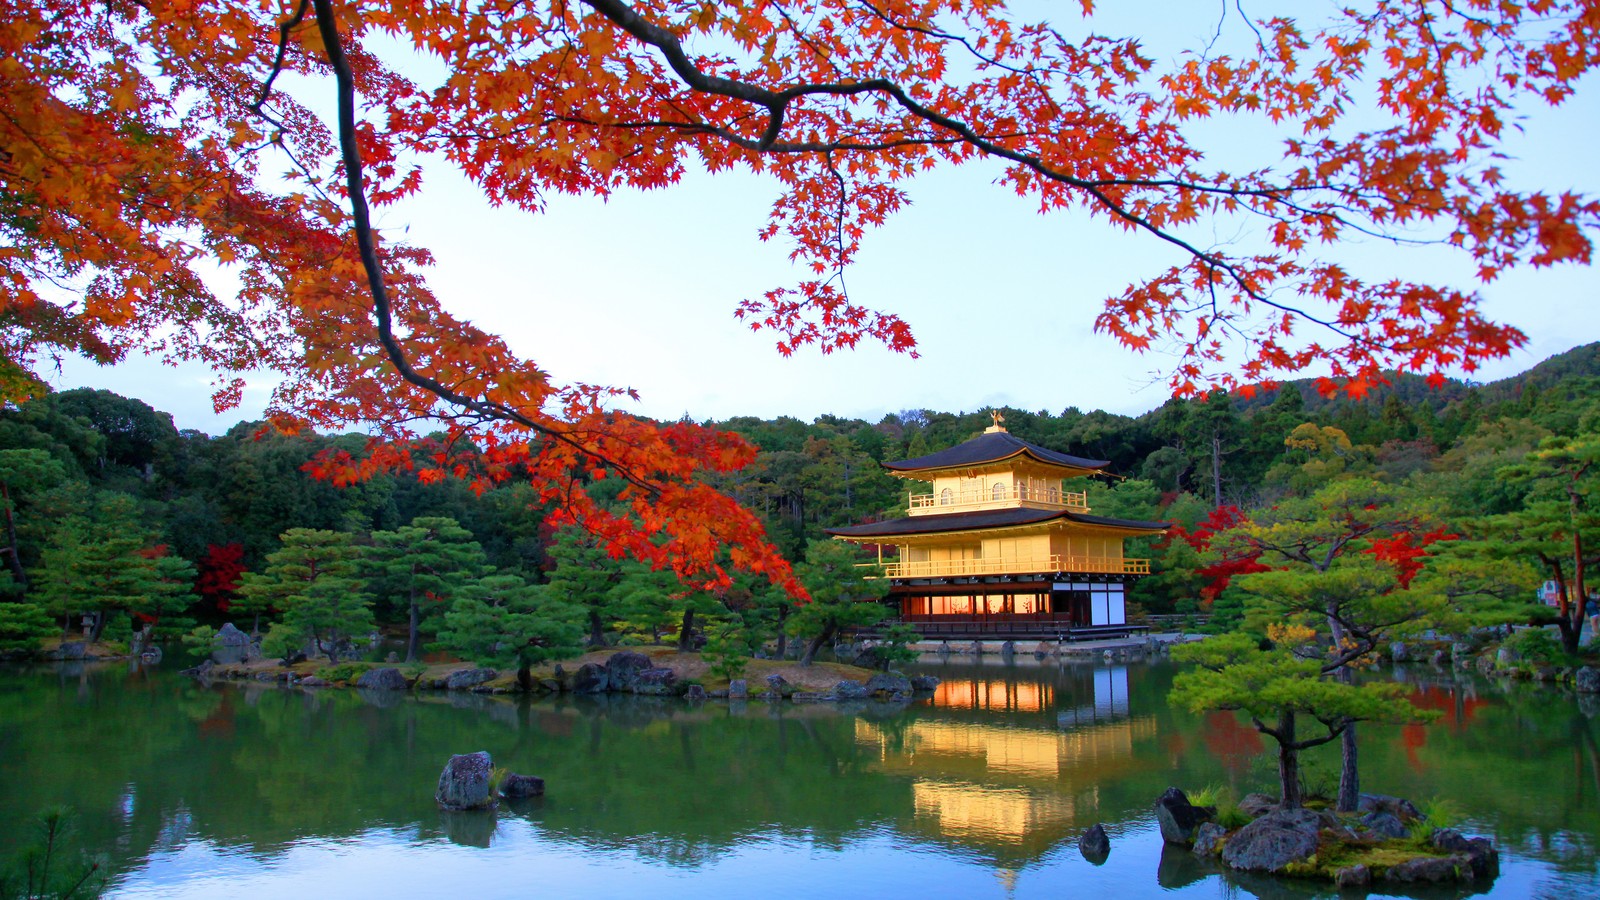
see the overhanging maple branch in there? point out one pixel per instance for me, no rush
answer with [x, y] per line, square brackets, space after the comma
[367, 244]
[776, 103]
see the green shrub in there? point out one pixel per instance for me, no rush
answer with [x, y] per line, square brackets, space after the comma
[895, 646]
[727, 652]
[1231, 817]
[281, 641]
[1536, 645]
[1436, 813]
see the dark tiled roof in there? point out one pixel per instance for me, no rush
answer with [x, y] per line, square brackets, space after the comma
[988, 518]
[990, 447]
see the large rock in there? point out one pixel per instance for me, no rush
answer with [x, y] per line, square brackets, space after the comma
[591, 678]
[622, 669]
[1399, 652]
[1587, 680]
[1399, 807]
[1208, 839]
[1506, 657]
[232, 646]
[924, 684]
[466, 679]
[1094, 845]
[738, 689]
[1383, 825]
[889, 683]
[656, 682]
[1357, 876]
[1273, 841]
[1256, 805]
[464, 783]
[778, 686]
[1483, 859]
[71, 651]
[851, 690]
[385, 679]
[521, 787]
[1179, 818]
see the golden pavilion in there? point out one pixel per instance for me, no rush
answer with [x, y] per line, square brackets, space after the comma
[1001, 547]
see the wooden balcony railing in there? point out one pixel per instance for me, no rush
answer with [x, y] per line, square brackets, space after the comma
[990, 499]
[1113, 565]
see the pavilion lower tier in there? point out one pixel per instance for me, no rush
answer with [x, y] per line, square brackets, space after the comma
[1071, 600]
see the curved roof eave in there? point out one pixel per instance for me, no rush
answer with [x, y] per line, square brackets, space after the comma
[992, 447]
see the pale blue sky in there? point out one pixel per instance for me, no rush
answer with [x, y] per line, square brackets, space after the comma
[639, 291]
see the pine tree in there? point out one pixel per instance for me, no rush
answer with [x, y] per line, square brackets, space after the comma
[312, 578]
[501, 620]
[841, 596]
[427, 562]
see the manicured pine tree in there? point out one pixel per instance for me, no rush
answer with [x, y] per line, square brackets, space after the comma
[1287, 697]
[22, 472]
[500, 620]
[1558, 526]
[165, 591]
[646, 600]
[841, 596]
[427, 562]
[313, 579]
[23, 623]
[1326, 576]
[587, 577]
[95, 565]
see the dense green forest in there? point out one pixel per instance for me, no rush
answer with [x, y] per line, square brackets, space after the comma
[117, 521]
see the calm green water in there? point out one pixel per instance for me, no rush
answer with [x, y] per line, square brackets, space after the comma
[246, 791]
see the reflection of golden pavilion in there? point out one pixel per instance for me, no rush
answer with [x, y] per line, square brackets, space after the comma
[1013, 790]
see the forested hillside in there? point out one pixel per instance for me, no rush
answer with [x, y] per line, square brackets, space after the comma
[115, 515]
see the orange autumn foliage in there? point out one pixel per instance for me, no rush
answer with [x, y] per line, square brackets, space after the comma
[142, 144]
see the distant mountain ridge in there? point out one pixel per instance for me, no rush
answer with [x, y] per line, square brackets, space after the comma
[1579, 362]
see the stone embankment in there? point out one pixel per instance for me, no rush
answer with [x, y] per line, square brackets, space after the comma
[1483, 651]
[662, 674]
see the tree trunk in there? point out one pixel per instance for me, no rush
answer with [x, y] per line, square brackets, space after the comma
[686, 631]
[1349, 759]
[1580, 592]
[1349, 768]
[1216, 469]
[1288, 763]
[412, 630]
[597, 630]
[817, 644]
[525, 678]
[783, 636]
[13, 557]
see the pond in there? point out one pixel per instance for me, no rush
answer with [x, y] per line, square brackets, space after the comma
[980, 791]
